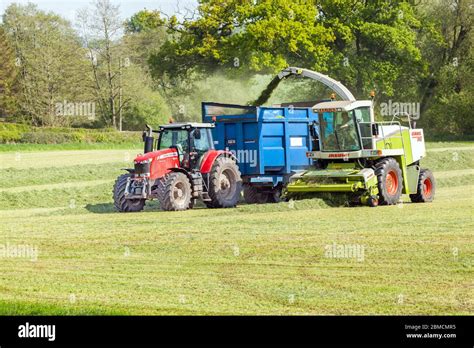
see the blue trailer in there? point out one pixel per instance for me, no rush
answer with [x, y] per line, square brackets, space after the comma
[270, 143]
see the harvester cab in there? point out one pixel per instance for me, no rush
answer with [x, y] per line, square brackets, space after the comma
[373, 162]
[177, 168]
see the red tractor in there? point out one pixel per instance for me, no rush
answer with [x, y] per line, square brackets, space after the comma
[177, 168]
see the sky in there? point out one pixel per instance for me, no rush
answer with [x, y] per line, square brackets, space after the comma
[68, 8]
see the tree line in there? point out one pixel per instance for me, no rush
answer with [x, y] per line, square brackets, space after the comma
[154, 65]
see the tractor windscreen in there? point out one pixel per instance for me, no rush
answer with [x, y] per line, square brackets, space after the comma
[338, 131]
[175, 138]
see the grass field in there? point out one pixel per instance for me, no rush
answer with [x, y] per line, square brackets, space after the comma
[266, 259]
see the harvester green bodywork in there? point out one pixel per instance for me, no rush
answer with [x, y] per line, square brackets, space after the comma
[357, 169]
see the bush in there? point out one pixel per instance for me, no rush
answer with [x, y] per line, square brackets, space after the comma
[9, 136]
[12, 132]
[45, 138]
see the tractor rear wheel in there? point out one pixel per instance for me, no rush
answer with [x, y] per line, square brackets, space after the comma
[390, 181]
[120, 202]
[225, 183]
[426, 187]
[174, 192]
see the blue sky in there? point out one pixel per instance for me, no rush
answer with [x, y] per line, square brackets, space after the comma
[68, 8]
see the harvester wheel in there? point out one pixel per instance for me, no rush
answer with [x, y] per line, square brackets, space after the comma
[253, 196]
[174, 192]
[390, 182]
[120, 202]
[426, 187]
[225, 183]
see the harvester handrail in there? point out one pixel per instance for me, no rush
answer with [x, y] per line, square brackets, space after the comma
[403, 113]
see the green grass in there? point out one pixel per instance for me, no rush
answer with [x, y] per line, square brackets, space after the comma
[265, 259]
[448, 144]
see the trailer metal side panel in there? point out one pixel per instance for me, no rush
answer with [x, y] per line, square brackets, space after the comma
[268, 141]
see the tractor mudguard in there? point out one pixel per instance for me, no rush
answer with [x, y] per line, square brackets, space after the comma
[211, 156]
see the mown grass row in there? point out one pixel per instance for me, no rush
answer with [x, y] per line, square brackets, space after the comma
[255, 259]
[244, 261]
[97, 198]
[28, 188]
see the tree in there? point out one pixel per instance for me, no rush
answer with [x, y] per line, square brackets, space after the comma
[258, 36]
[447, 92]
[8, 76]
[144, 21]
[101, 30]
[365, 44]
[145, 33]
[50, 59]
[375, 44]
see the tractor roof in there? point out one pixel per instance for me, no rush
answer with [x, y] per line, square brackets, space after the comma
[345, 105]
[187, 125]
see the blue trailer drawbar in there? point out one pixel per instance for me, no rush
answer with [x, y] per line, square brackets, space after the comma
[270, 143]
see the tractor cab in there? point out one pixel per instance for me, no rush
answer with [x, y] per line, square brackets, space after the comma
[191, 140]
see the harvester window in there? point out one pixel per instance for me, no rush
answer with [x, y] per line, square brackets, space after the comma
[338, 131]
[362, 116]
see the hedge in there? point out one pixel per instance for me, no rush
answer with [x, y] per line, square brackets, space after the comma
[11, 133]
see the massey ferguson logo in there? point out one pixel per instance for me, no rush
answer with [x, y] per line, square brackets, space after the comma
[417, 135]
[338, 155]
[168, 155]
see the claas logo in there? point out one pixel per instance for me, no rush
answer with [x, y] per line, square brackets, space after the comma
[417, 135]
[338, 155]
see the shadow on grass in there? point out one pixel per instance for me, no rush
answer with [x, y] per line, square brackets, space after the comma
[109, 208]
[333, 200]
[101, 208]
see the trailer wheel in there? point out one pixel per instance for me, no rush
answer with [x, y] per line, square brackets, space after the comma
[390, 182]
[120, 202]
[225, 183]
[426, 187]
[253, 196]
[174, 192]
[275, 195]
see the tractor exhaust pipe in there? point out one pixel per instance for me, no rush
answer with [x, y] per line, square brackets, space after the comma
[148, 139]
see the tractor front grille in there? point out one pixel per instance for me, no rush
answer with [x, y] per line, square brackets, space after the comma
[142, 168]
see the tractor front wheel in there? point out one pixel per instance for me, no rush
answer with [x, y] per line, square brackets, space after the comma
[426, 187]
[120, 202]
[390, 181]
[225, 183]
[174, 192]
